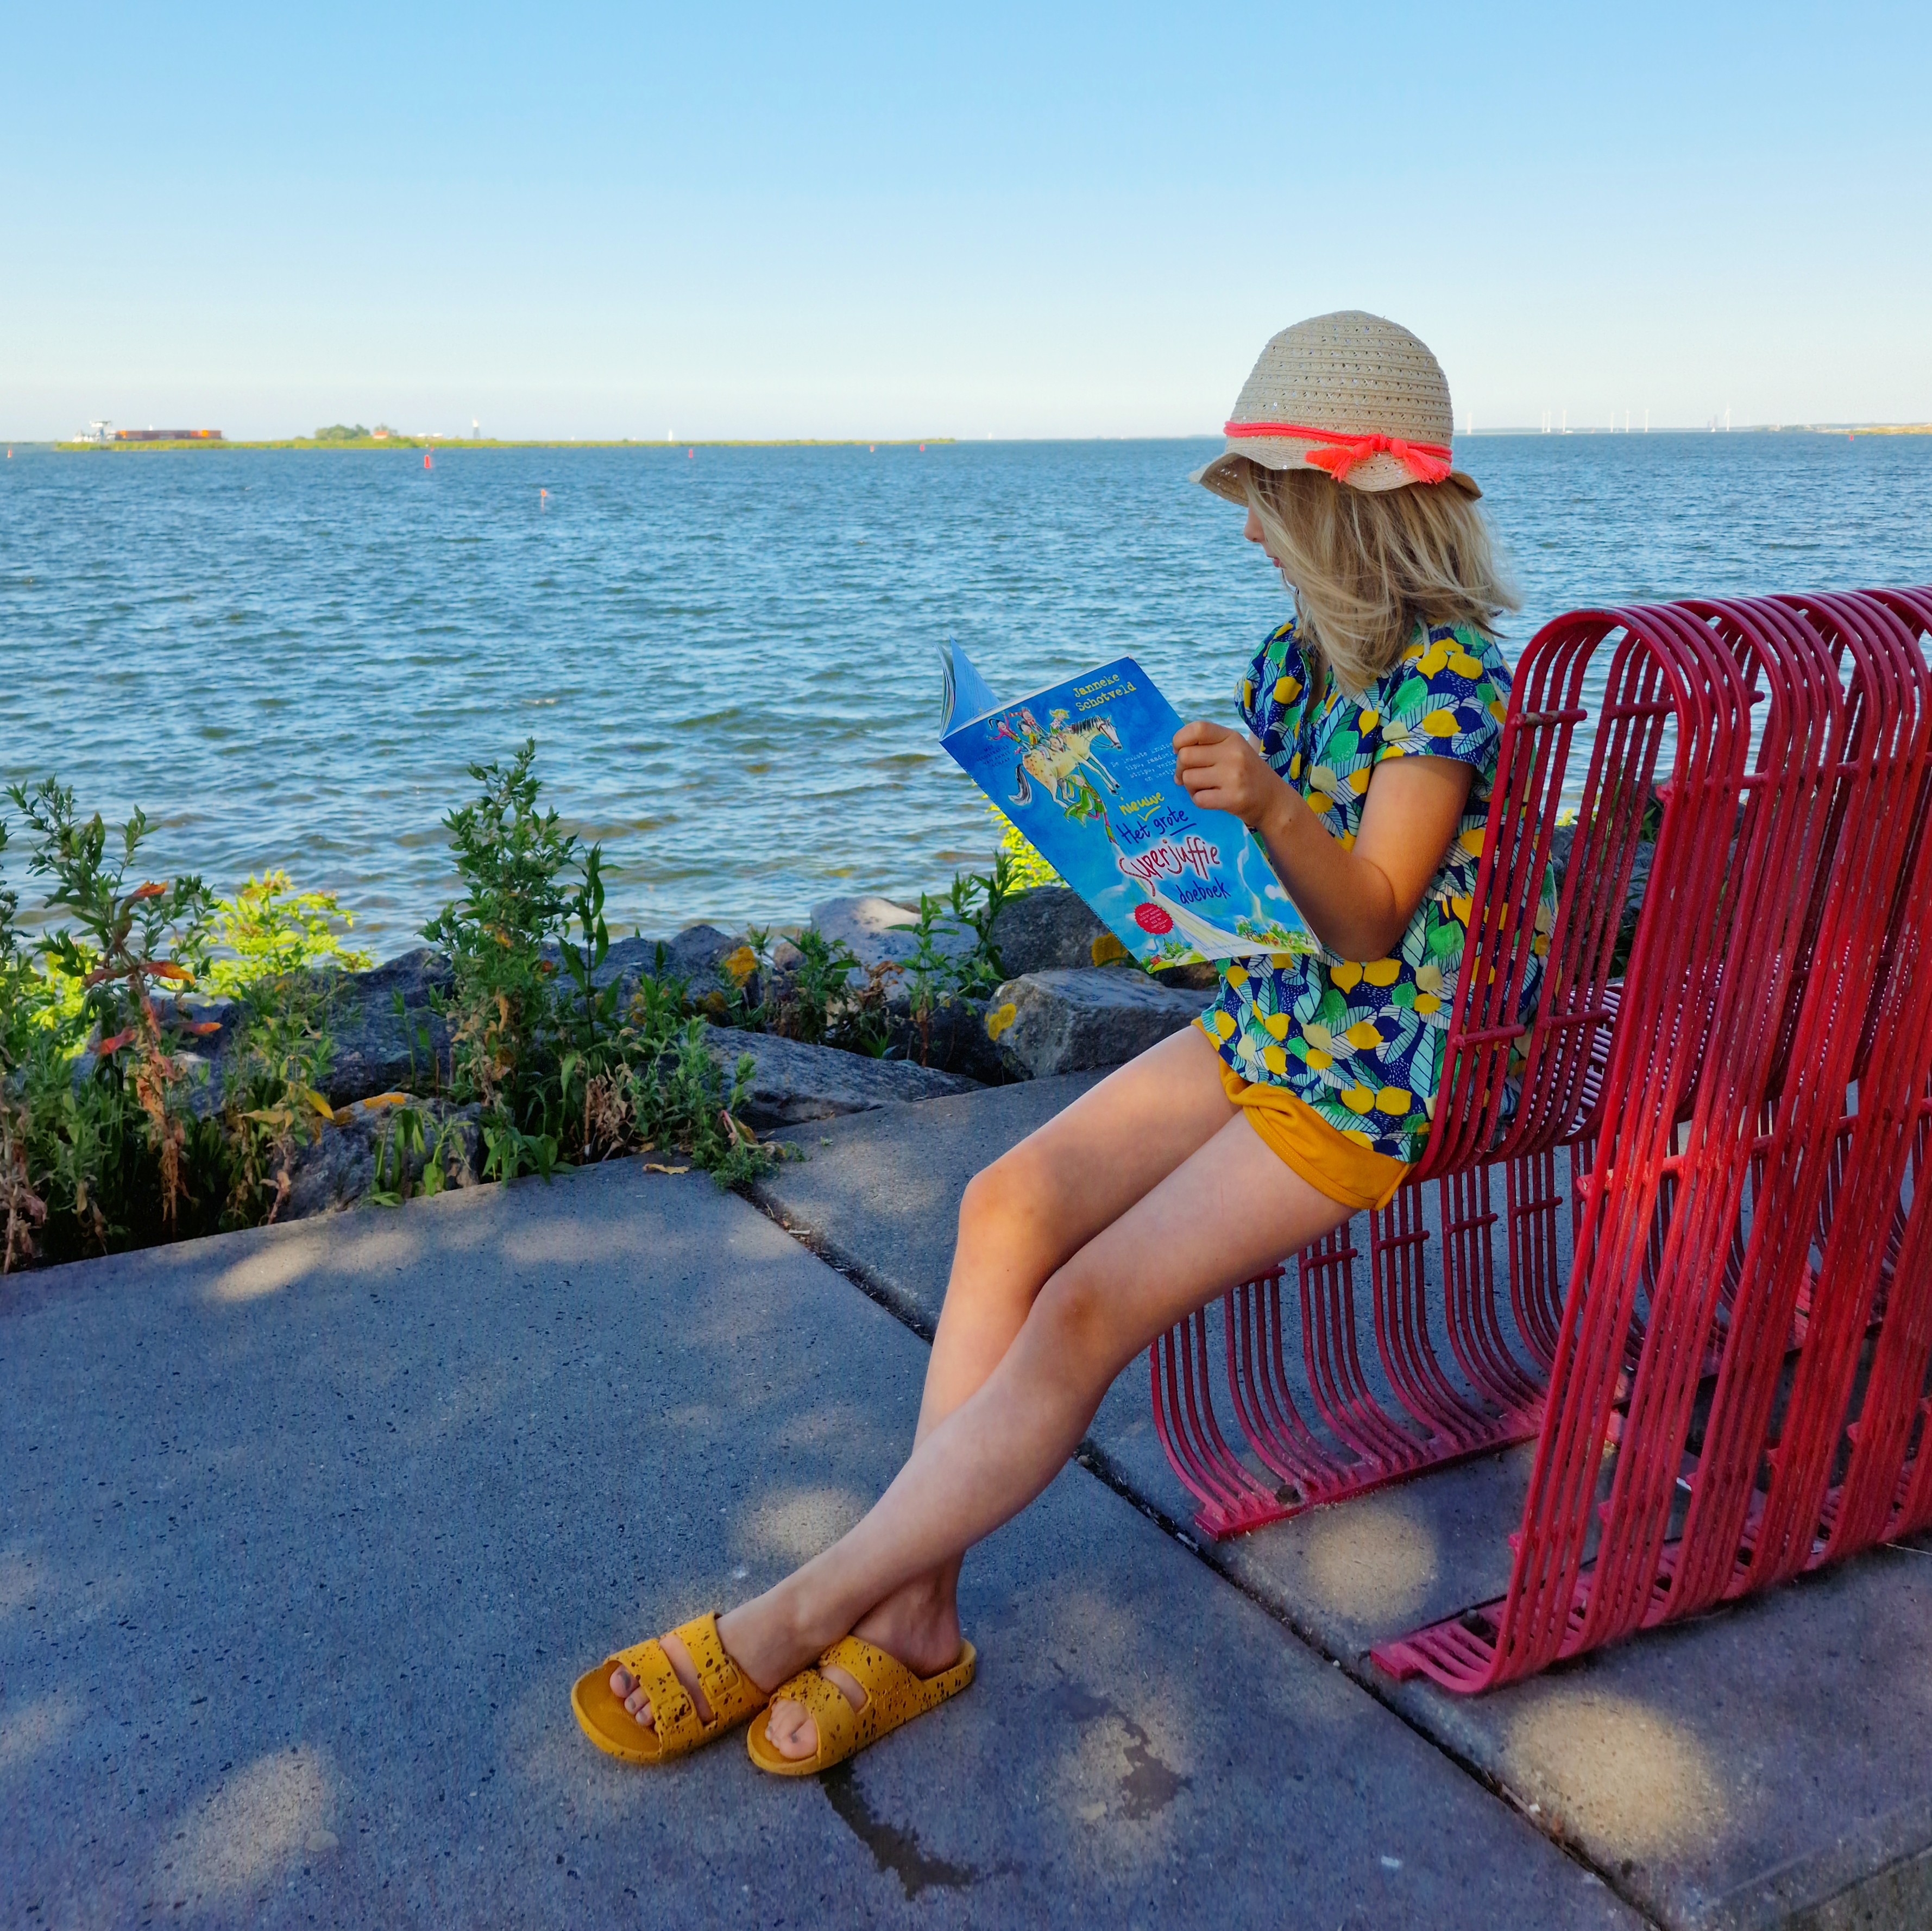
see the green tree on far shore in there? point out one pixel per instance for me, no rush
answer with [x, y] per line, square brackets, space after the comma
[341, 432]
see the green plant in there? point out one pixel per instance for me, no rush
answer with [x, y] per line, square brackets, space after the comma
[116, 1155]
[561, 1073]
[511, 859]
[281, 954]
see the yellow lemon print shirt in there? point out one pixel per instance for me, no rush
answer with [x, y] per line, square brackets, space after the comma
[1361, 1041]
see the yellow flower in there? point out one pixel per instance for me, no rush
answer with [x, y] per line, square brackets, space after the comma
[1358, 1099]
[1394, 1100]
[741, 965]
[1364, 1035]
[1106, 949]
[1384, 971]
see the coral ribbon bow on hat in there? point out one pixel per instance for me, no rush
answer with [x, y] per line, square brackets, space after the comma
[1426, 462]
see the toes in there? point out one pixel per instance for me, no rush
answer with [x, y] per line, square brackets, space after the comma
[792, 1730]
[621, 1682]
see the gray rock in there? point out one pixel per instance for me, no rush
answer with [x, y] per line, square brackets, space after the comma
[378, 1049]
[338, 1169]
[1202, 976]
[954, 1041]
[1069, 1021]
[696, 955]
[1051, 928]
[865, 925]
[793, 1082]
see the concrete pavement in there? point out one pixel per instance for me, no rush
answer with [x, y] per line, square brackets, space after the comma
[1769, 1765]
[306, 1532]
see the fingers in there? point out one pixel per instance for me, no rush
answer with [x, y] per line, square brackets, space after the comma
[1199, 731]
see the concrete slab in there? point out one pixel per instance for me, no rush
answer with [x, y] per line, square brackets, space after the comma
[1770, 1765]
[304, 1533]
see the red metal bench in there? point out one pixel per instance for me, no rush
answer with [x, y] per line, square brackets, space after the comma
[1745, 1116]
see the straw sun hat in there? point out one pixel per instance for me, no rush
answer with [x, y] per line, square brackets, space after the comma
[1349, 394]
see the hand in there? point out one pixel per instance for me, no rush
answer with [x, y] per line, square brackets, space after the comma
[1222, 771]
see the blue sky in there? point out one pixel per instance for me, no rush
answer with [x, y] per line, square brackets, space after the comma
[1036, 221]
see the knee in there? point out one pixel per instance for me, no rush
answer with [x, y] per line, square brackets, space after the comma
[1004, 1203]
[1075, 1323]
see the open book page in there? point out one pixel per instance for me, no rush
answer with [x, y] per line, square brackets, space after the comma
[1085, 769]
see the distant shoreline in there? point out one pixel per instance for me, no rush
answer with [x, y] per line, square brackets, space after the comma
[415, 442]
[493, 443]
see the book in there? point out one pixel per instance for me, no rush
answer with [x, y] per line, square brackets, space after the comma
[1085, 769]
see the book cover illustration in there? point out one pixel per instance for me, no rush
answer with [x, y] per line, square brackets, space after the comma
[1085, 769]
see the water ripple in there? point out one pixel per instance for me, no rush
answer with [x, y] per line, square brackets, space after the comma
[727, 663]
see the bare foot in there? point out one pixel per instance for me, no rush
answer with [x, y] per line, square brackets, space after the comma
[624, 1686]
[919, 1628]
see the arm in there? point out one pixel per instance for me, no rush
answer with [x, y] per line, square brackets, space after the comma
[1357, 901]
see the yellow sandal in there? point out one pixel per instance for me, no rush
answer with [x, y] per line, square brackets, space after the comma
[893, 1696]
[676, 1728]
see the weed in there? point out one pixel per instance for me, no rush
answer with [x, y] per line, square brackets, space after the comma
[562, 1074]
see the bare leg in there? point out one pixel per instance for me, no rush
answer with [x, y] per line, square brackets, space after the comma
[1228, 1211]
[1024, 1216]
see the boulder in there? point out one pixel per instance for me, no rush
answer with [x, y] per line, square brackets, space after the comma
[1202, 976]
[955, 1041]
[1051, 928]
[379, 1049]
[338, 1169]
[792, 1082]
[1072, 1020]
[866, 925]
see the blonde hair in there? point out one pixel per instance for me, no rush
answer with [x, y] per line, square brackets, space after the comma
[1366, 567]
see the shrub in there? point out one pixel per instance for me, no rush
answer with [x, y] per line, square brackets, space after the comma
[562, 1075]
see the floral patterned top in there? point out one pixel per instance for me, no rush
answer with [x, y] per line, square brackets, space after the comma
[1361, 1041]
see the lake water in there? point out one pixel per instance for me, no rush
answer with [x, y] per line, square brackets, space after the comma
[726, 659]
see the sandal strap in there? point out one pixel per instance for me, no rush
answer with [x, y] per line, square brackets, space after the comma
[673, 1714]
[893, 1694]
[829, 1708]
[724, 1684]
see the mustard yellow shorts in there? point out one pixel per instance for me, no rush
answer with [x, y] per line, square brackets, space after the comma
[1350, 1174]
